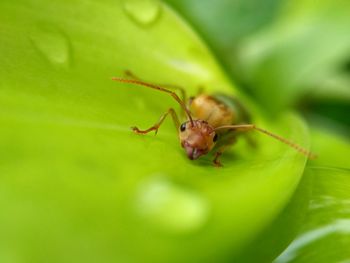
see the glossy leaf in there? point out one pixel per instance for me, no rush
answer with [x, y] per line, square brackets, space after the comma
[325, 232]
[77, 185]
[314, 226]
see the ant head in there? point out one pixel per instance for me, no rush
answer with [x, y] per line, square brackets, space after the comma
[197, 138]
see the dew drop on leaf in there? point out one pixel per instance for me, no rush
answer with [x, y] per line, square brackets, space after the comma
[170, 207]
[143, 12]
[53, 44]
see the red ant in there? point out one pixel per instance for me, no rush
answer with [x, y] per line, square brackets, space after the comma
[210, 122]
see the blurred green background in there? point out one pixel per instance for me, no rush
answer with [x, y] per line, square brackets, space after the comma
[76, 185]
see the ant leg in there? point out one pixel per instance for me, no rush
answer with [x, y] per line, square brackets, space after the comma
[228, 141]
[216, 161]
[156, 126]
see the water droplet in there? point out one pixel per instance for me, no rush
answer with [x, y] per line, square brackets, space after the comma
[143, 12]
[52, 43]
[171, 207]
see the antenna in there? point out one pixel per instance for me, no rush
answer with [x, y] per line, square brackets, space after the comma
[145, 84]
[248, 127]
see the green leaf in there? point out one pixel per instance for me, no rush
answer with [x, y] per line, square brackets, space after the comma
[303, 50]
[316, 222]
[326, 227]
[325, 232]
[224, 23]
[276, 237]
[333, 149]
[281, 50]
[77, 185]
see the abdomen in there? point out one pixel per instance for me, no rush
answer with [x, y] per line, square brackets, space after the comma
[219, 110]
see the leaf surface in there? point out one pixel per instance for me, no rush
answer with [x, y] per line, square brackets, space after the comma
[77, 185]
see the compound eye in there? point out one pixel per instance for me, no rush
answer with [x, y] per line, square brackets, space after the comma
[215, 138]
[183, 127]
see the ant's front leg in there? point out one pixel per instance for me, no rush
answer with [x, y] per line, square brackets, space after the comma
[216, 161]
[156, 126]
[226, 144]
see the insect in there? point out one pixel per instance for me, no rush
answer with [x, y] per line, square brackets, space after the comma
[212, 121]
